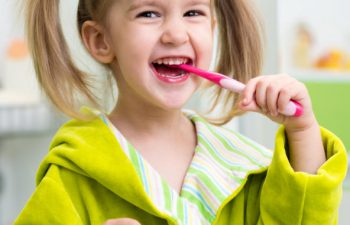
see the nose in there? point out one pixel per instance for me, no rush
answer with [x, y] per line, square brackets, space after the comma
[175, 33]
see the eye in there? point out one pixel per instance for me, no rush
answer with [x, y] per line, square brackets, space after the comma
[193, 13]
[148, 14]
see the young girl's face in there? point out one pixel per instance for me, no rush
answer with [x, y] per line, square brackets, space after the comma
[145, 35]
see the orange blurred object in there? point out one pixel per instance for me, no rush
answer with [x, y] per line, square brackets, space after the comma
[333, 60]
[347, 65]
[17, 50]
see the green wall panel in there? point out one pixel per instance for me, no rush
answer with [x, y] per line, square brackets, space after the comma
[331, 103]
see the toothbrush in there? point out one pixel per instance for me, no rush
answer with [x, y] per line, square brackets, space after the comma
[293, 108]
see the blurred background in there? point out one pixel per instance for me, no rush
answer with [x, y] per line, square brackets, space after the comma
[306, 39]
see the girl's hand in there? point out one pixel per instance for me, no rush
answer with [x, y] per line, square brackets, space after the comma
[124, 221]
[270, 95]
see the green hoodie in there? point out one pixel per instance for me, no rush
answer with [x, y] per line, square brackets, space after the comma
[87, 179]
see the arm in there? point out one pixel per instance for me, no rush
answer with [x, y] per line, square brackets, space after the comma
[304, 182]
[290, 197]
[269, 95]
[306, 154]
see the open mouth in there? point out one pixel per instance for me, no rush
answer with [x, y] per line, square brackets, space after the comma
[163, 70]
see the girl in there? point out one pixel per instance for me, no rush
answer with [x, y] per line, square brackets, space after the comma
[149, 162]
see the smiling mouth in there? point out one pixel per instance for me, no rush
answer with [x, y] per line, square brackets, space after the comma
[162, 67]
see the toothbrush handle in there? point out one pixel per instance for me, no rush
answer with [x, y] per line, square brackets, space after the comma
[293, 108]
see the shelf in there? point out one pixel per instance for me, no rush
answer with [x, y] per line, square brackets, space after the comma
[21, 114]
[10, 98]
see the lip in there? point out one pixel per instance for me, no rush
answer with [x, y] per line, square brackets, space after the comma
[171, 80]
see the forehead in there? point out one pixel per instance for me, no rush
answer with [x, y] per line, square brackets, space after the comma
[137, 3]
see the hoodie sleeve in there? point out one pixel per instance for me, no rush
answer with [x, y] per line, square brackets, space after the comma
[289, 197]
[50, 204]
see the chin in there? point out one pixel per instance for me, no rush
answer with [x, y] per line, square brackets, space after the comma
[173, 103]
[177, 100]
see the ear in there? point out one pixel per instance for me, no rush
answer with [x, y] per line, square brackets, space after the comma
[96, 41]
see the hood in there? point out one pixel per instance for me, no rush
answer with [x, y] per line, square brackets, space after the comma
[89, 148]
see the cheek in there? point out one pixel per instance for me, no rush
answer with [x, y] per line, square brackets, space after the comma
[132, 50]
[202, 36]
[133, 46]
[208, 50]
[203, 44]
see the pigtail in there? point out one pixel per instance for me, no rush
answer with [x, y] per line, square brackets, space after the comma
[61, 80]
[240, 50]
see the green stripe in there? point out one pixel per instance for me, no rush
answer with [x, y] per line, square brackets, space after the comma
[134, 158]
[180, 210]
[220, 159]
[166, 196]
[207, 180]
[192, 198]
[227, 146]
[254, 145]
[210, 151]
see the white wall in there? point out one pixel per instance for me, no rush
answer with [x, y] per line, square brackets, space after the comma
[10, 27]
[20, 156]
[328, 21]
[20, 153]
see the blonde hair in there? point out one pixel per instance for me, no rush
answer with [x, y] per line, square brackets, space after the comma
[239, 52]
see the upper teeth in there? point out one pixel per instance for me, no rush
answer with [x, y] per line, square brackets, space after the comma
[172, 61]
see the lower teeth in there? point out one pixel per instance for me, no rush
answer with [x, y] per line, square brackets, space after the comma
[169, 76]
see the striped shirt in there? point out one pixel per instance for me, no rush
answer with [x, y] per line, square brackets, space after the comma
[220, 165]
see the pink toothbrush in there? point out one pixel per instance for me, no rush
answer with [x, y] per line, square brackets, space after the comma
[293, 108]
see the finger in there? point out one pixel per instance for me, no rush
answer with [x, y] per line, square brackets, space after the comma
[287, 93]
[124, 221]
[272, 94]
[260, 93]
[249, 91]
[251, 107]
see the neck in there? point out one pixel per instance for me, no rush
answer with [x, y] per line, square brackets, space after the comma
[134, 119]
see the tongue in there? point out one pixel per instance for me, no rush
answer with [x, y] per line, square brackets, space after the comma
[165, 70]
